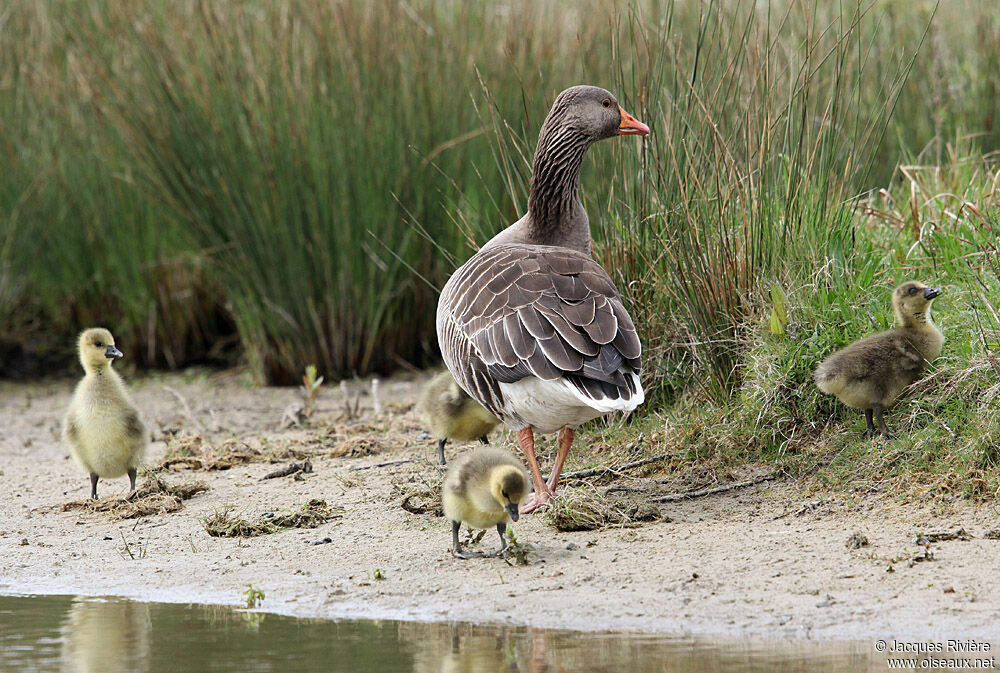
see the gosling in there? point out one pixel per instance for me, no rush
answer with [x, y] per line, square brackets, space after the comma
[105, 434]
[871, 373]
[450, 413]
[483, 488]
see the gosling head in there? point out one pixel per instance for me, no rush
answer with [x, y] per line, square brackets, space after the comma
[509, 488]
[911, 303]
[97, 349]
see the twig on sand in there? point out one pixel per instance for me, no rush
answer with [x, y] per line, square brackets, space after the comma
[187, 409]
[305, 466]
[717, 489]
[385, 464]
[597, 471]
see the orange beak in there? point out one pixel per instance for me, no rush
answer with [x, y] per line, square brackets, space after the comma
[630, 125]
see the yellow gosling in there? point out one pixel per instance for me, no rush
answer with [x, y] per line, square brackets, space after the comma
[483, 488]
[450, 413]
[103, 429]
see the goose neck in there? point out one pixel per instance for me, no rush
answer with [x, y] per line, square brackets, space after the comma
[556, 215]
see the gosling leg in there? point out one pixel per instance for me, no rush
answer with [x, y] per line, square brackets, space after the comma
[877, 409]
[456, 549]
[441, 443]
[869, 424]
[502, 530]
[132, 472]
[93, 485]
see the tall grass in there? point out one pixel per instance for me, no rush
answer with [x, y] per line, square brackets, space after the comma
[193, 174]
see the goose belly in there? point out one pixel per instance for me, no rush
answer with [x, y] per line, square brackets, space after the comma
[547, 406]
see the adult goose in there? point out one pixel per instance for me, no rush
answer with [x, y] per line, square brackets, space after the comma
[531, 326]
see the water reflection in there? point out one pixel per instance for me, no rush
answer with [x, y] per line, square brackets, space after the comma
[106, 636]
[60, 634]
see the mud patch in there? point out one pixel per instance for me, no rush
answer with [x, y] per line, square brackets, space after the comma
[154, 496]
[223, 523]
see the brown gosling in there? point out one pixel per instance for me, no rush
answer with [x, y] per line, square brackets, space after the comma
[103, 429]
[450, 413]
[871, 373]
[483, 488]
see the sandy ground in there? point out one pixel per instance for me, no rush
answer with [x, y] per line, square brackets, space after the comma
[769, 560]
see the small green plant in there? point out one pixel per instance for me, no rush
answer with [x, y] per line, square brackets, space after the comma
[140, 552]
[310, 390]
[378, 574]
[779, 310]
[254, 596]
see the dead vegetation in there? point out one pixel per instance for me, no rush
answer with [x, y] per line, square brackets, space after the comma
[314, 513]
[357, 447]
[193, 453]
[420, 491]
[154, 496]
[583, 508]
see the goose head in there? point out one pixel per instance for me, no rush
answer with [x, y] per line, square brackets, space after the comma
[509, 487]
[911, 302]
[97, 349]
[591, 113]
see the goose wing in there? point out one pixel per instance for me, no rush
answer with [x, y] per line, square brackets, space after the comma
[514, 311]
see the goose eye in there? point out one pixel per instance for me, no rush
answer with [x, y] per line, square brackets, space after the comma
[99, 344]
[912, 290]
[606, 102]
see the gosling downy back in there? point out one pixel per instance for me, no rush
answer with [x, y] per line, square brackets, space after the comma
[871, 373]
[450, 413]
[103, 428]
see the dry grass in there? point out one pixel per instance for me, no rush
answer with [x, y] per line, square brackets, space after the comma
[583, 508]
[357, 447]
[154, 496]
[420, 491]
[192, 453]
[223, 523]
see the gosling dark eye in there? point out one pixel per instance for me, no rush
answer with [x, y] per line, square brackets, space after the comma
[912, 290]
[99, 344]
[606, 102]
[504, 494]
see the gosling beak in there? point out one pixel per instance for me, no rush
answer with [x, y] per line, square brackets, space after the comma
[113, 353]
[512, 509]
[931, 292]
[630, 125]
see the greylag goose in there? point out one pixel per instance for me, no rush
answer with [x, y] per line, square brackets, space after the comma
[450, 413]
[483, 488]
[531, 327]
[871, 373]
[105, 434]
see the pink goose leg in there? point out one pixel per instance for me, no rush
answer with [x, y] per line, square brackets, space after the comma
[526, 439]
[566, 436]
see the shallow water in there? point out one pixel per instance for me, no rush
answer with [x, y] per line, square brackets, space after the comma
[64, 633]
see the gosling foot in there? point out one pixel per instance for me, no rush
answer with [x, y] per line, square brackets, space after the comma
[467, 554]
